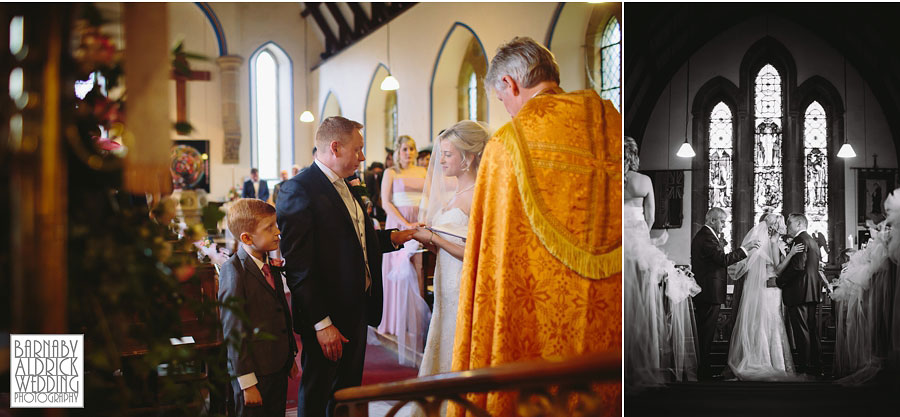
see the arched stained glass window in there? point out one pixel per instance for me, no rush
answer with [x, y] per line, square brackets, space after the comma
[767, 170]
[815, 152]
[721, 171]
[609, 43]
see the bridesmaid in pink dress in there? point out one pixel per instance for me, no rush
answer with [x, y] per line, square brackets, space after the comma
[406, 314]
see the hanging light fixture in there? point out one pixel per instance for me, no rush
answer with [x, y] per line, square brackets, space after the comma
[846, 150]
[686, 151]
[307, 116]
[389, 83]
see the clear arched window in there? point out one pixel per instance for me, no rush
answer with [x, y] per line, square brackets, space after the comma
[473, 96]
[767, 165]
[267, 115]
[271, 107]
[721, 165]
[815, 152]
[609, 46]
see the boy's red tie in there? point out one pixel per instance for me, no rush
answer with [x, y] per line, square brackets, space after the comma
[267, 272]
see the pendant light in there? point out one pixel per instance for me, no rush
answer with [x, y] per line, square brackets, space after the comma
[686, 151]
[847, 150]
[390, 83]
[307, 116]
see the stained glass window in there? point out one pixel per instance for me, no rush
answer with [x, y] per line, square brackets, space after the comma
[721, 173]
[815, 151]
[768, 188]
[609, 43]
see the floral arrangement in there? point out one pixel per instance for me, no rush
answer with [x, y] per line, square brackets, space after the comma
[188, 167]
[211, 252]
[97, 58]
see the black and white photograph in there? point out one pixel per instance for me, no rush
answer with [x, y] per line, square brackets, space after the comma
[763, 301]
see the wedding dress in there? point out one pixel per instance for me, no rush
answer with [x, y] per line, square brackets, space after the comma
[759, 348]
[659, 321]
[439, 347]
[862, 314]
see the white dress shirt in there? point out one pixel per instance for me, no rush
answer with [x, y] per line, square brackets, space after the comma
[356, 215]
[256, 188]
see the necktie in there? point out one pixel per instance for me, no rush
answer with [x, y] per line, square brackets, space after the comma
[267, 272]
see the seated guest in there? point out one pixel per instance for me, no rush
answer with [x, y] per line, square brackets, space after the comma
[295, 170]
[260, 367]
[255, 187]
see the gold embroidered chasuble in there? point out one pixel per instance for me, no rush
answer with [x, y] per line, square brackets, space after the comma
[542, 272]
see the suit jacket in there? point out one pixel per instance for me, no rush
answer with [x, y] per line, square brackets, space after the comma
[266, 308]
[249, 193]
[800, 282]
[709, 263]
[324, 263]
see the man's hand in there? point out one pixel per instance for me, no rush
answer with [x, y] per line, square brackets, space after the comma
[751, 245]
[402, 236]
[295, 371]
[252, 396]
[331, 341]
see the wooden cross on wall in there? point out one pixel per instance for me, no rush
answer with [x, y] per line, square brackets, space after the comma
[181, 90]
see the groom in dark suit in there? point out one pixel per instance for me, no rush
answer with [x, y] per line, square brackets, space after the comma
[333, 266]
[801, 289]
[709, 263]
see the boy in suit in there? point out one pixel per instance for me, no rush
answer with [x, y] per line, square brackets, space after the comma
[260, 367]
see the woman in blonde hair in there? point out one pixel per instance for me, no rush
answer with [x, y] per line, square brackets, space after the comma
[659, 323]
[406, 313]
[449, 187]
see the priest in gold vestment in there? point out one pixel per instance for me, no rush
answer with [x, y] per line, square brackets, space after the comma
[541, 277]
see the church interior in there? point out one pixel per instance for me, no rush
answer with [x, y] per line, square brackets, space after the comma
[749, 106]
[130, 128]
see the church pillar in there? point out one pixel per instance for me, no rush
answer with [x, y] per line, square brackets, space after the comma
[229, 70]
[35, 167]
[147, 74]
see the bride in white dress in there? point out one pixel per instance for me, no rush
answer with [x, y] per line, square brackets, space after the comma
[660, 330]
[445, 206]
[759, 348]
